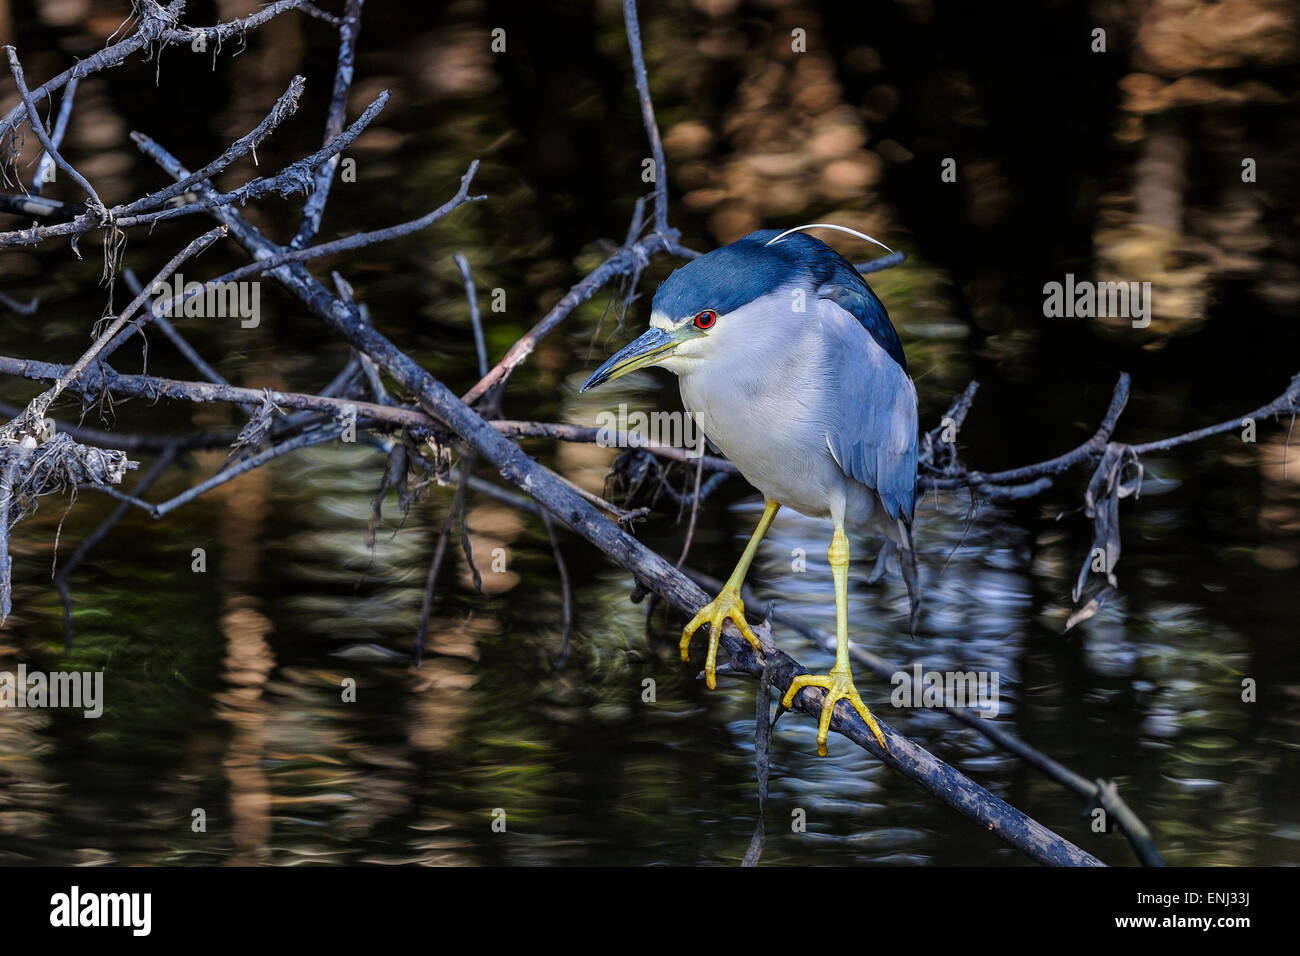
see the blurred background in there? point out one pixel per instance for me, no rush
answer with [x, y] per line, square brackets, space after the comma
[223, 688]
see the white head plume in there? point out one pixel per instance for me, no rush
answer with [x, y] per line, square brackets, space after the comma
[829, 225]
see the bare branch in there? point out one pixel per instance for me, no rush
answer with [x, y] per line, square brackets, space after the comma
[479, 345]
[157, 27]
[34, 119]
[349, 28]
[56, 136]
[627, 259]
[648, 118]
[36, 410]
[284, 107]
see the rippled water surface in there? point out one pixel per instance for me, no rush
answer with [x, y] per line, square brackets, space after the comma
[223, 687]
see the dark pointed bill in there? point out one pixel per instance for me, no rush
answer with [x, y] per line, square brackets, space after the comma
[653, 345]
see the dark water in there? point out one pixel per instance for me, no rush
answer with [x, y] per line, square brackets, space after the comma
[223, 688]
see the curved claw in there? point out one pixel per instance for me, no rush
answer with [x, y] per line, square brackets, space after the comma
[839, 686]
[726, 605]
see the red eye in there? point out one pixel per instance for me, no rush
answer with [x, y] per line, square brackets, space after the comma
[706, 319]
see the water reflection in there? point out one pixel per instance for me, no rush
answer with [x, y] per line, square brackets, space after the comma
[226, 690]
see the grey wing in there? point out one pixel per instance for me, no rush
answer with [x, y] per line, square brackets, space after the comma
[874, 437]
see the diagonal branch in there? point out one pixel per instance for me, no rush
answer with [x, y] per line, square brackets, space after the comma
[51, 150]
[284, 107]
[41, 404]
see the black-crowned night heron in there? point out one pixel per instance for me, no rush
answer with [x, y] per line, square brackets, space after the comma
[788, 363]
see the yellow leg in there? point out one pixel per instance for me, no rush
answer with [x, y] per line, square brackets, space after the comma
[839, 682]
[728, 603]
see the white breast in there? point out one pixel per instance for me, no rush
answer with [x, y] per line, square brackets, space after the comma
[759, 399]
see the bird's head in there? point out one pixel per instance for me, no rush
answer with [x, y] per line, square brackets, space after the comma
[702, 308]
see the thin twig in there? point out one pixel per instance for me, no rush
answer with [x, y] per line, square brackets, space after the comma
[294, 178]
[439, 552]
[22, 308]
[648, 117]
[284, 107]
[51, 150]
[626, 259]
[480, 345]
[190, 354]
[695, 510]
[157, 27]
[40, 404]
[566, 590]
[56, 136]
[349, 28]
[762, 763]
[355, 241]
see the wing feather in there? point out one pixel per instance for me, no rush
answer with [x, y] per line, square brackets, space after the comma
[874, 440]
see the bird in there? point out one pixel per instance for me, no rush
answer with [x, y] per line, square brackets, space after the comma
[788, 363]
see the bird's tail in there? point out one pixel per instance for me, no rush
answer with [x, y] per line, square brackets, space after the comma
[907, 564]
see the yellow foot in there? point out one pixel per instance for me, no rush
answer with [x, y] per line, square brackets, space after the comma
[839, 686]
[726, 605]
